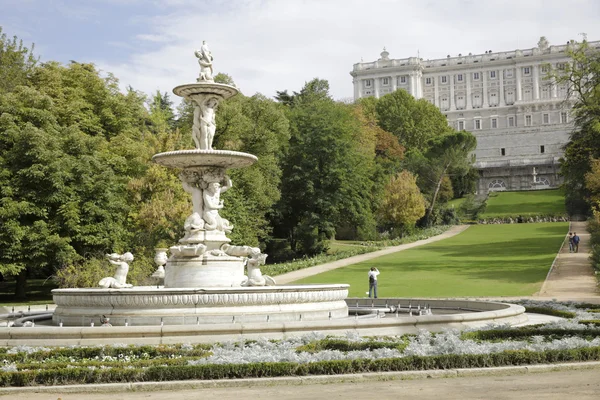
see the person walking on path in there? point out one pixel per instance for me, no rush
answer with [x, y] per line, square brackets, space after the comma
[571, 242]
[373, 272]
[576, 241]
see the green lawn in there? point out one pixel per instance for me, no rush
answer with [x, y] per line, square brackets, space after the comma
[485, 260]
[538, 202]
[38, 292]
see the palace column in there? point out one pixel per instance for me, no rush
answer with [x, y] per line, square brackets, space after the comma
[501, 88]
[452, 99]
[536, 82]
[468, 84]
[485, 93]
[436, 91]
[519, 92]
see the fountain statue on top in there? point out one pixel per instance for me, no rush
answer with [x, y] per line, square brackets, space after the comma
[204, 257]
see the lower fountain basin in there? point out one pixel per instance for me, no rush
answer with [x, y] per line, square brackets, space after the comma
[211, 305]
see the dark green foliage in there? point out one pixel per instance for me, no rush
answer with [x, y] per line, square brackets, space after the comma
[345, 345]
[326, 176]
[412, 121]
[582, 78]
[551, 311]
[527, 332]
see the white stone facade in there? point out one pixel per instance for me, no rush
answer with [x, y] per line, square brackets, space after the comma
[520, 117]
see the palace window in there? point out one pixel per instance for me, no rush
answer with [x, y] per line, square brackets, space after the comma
[526, 70]
[428, 81]
[403, 79]
[475, 76]
[493, 99]
[494, 123]
[560, 66]
[386, 81]
[444, 79]
[459, 77]
[493, 74]
[503, 151]
[496, 184]
[542, 149]
[545, 92]
[544, 69]
[510, 97]
[368, 83]
[461, 125]
[444, 103]
[564, 117]
[528, 120]
[477, 125]
[511, 121]
[546, 118]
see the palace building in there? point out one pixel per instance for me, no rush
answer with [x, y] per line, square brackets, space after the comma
[520, 117]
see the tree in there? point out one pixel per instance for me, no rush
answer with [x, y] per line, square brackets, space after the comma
[69, 143]
[582, 78]
[412, 121]
[326, 175]
[403, 204]
[449, 152]
[16, 63]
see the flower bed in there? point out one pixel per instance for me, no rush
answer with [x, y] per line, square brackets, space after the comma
[573, 339]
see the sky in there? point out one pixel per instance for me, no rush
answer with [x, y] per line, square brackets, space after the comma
[273, 45]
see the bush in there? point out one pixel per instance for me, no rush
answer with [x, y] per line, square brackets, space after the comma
[88, 273]
[550, 311]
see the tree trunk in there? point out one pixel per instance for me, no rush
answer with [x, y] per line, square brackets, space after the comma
[21, 285]
[435, 194]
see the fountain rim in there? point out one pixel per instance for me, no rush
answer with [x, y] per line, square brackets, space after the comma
[206, 88]
[204, 158]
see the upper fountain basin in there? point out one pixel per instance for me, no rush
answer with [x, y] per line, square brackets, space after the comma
[204, 158]
[218, 89]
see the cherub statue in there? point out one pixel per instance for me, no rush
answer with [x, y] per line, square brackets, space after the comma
[212, 205]
[255, 277]
[119, 281]
[205, 60]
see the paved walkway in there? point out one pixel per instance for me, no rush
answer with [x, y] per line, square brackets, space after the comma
[318, 269]
[572, 276]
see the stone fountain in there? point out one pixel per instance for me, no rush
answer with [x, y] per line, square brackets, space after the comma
[206, 279]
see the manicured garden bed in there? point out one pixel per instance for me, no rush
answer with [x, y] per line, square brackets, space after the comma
[313, 354]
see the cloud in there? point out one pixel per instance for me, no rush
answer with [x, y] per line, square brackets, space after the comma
[270, 45]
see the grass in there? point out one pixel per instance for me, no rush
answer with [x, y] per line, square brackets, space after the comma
[455, 203]
[537, 202]
[485, 260]
[336, 246]
[38, 292]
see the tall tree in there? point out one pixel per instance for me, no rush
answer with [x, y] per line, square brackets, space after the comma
[68, 146]
[326, 180]
[582, 78]
[450, 152]
[412, 121]
[16, 63]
